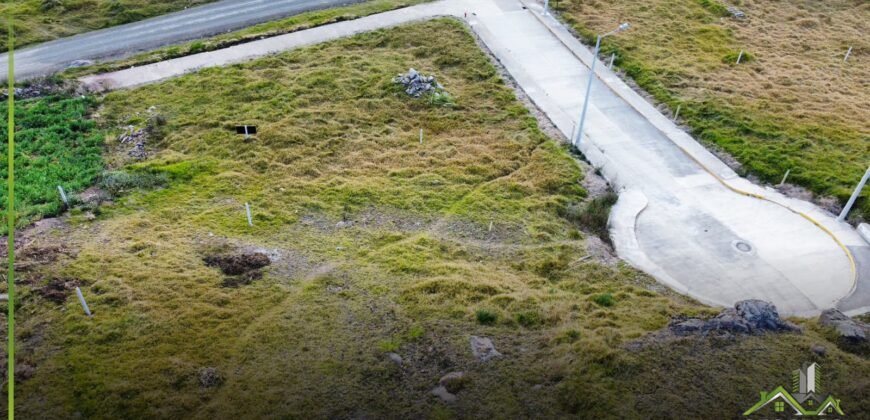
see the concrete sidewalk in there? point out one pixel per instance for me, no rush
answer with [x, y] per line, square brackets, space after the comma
[683, 215]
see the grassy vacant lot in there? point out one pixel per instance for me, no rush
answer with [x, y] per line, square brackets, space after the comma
[380, 244]
[44, 20]
[791, 104]
[56, 145]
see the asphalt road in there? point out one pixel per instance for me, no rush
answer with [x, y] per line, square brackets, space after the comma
[119, 41]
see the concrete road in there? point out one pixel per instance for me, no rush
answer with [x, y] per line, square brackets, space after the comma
[683, 216]
[119, 41]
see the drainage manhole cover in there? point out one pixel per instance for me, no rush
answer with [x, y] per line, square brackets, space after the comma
[742, 246]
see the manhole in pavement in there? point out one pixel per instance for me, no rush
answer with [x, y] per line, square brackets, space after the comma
[742, 246]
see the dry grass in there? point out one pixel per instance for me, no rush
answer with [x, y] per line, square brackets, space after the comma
[337, 143]
[796, 105]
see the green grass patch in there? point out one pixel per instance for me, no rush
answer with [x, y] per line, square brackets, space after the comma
[604, 299]
[56, 144]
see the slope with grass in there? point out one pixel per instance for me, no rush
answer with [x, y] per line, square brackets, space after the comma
[378, 244]
[44, 20]
[791, 104]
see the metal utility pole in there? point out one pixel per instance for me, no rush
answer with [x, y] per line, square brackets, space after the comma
[854, 196]
[579, 134]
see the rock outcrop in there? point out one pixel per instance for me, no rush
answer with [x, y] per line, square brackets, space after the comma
[852, 335]
[746, 317]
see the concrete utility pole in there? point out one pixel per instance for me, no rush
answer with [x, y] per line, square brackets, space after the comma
[854, 196]
[579, 134]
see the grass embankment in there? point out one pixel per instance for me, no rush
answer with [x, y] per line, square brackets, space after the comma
[295, 23]
[56, 145]
[44, 20]
[460, 235]
[792, 103]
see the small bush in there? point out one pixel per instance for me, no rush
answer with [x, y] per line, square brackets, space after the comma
[569, 336]
[594, 215]
[486, 317]
[118, 182]
[528, 319]
[441, 98]
[604, 299]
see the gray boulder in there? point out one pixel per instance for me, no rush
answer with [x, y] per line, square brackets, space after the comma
[746, 317]
[483, 349]
[849, 330]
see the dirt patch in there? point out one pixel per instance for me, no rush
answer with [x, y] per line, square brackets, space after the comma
[234, 265]
[240, 269]
[57, 290]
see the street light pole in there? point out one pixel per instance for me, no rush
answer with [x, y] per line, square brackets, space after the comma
[579, 133]
[854, 196]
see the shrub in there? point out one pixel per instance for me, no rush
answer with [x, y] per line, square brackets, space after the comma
[486, 317]
[118, 182]
[604, 299]
[441, 98]
[594, 215]
[528, 319]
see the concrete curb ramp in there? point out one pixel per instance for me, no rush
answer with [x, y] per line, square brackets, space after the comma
[683, 216]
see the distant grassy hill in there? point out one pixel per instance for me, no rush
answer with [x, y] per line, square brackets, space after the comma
[44, 20]
[792, 103]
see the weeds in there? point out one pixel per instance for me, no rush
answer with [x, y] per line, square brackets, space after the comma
[119, 182]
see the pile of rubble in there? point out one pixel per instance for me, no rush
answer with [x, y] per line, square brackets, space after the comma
[33, 90]
[136, 140]
[737, 13]
[417, 84]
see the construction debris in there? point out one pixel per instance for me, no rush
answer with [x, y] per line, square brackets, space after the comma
[737, 13]
[417, 84]
[136, 139]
